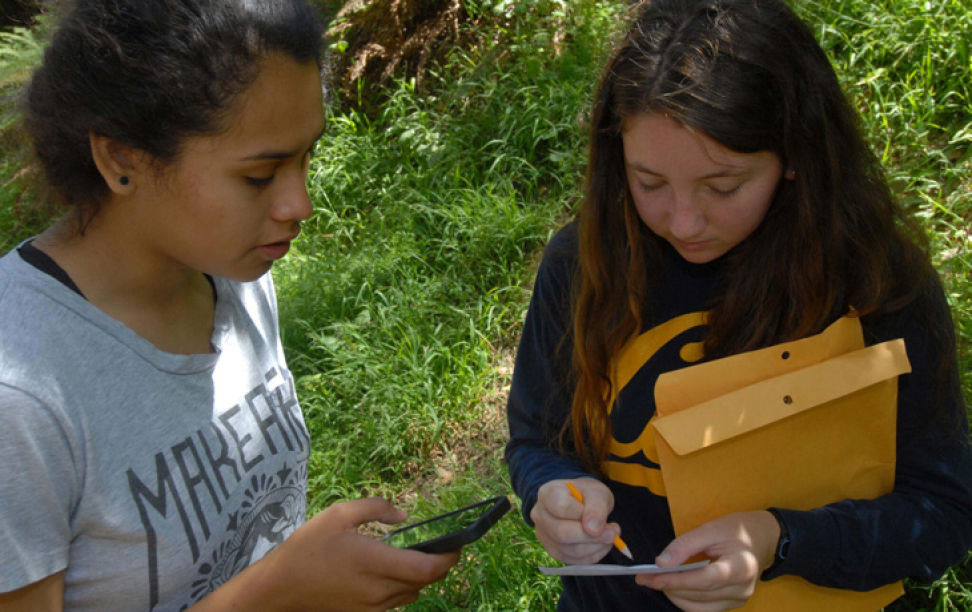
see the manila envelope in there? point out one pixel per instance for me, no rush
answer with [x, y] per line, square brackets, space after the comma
[798, 425]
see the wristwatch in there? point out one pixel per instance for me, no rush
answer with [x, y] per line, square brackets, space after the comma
[782, 547]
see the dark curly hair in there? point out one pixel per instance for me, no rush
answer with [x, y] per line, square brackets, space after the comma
[149, 74]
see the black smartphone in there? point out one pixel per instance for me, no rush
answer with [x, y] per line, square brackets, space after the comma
[453, 530]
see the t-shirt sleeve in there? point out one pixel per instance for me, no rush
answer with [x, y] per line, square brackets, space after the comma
[540, 395]
[38, 486]
[925, 524]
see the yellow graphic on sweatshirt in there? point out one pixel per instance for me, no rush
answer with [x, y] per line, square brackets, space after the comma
[633, 356]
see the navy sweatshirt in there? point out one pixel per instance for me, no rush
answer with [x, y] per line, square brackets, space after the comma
[919, 530]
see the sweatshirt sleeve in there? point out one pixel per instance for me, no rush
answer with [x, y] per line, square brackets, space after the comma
[540, 395]
[924, 525]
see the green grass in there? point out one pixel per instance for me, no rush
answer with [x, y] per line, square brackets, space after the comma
[409, 282]
[908, 65]
[21, 214]
[402, 302]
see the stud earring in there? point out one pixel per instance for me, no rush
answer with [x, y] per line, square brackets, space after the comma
[791, 174]
[123, 180]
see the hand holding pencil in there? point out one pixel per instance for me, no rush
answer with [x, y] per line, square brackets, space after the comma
[618, 542]
[571, 520]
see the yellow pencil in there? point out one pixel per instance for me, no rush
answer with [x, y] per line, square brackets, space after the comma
[618, 542]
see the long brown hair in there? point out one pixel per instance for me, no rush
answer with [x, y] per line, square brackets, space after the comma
[750, 75]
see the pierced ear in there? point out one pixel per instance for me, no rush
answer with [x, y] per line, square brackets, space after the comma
[115, 162]
[790, 174]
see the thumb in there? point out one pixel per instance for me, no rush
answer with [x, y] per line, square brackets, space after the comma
[682, 548]
[594, 518]
[351, 514]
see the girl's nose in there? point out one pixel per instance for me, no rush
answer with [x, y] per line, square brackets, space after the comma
[294, 203]
[687, 220]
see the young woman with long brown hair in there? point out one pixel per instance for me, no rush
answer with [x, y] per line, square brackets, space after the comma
[731, 204]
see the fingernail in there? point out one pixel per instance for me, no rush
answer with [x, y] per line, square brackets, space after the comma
[595, 525]
[665, 557]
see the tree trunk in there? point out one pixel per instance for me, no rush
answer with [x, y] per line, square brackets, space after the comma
[386, 38]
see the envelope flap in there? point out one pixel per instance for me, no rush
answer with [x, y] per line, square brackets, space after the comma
[771, 400]
[696, 384]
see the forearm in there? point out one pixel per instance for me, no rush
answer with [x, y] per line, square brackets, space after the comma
[45, 595]
[917, 531]
[541, 394]
[252, 590]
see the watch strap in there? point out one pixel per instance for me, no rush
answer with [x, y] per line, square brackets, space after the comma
[782, 548]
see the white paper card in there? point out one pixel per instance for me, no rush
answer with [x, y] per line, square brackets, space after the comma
[618, 570]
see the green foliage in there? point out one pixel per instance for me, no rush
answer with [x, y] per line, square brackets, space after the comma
[21, 50]
[409, 277]
[21, 215]
[908, 66]
[409, 284]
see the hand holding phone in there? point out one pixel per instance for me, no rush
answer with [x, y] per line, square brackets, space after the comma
[453, 530]
[329, 564]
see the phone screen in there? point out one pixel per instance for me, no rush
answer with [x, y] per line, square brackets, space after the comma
[438, 527]
[453, 530]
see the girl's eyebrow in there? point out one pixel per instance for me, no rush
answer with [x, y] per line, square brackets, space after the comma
[727, 172]
[269, 155]
[278, 155]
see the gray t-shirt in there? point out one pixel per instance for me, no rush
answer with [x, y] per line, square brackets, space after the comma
[151, 477]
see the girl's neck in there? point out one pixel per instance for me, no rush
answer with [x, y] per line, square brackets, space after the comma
[166, 303]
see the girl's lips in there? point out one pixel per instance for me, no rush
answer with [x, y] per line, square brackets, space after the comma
[275, 251]
[693, 246]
